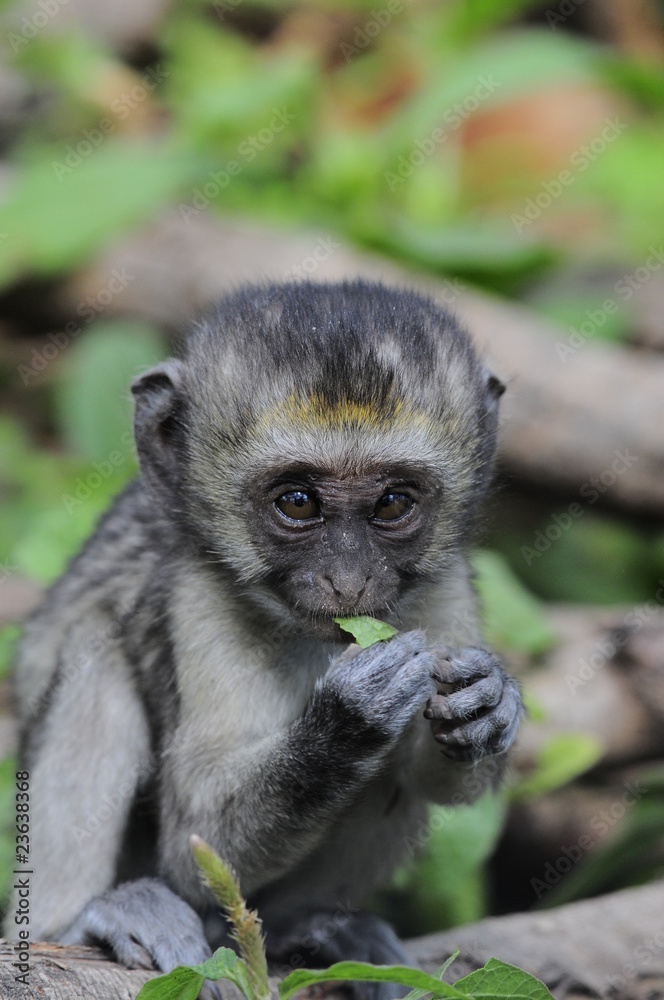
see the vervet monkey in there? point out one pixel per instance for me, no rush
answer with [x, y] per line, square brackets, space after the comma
[316, 451]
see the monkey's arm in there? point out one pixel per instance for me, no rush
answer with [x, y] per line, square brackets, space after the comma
[86, 758]
[85, 754]
[267, 806]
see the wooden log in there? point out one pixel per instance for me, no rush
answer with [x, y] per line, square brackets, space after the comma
[609, 947]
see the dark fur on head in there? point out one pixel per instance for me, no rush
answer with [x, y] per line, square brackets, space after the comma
[348, 378]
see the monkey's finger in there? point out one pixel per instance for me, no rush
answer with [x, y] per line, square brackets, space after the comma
[415, 680]
[465, 666]
[181, 949]
[349, 653]
[373, 666]
[92, 928]
[129, 952]
[492, 733]
[486, 693]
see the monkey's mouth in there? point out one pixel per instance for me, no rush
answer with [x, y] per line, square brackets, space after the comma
[323, 626]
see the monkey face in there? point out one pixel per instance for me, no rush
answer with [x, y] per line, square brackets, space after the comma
[343, 543]
[328, 446]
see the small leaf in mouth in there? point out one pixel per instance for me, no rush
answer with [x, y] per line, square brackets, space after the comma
[366, 630]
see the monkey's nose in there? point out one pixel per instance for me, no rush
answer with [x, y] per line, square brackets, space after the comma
[347, 590]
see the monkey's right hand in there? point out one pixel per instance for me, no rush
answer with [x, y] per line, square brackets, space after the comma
[145, 925]
[375, 693]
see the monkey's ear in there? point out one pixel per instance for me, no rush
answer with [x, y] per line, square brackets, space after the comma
[158, 395]
[495, 388]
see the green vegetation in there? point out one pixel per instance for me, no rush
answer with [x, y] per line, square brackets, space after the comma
[366, 630]
[248, 970]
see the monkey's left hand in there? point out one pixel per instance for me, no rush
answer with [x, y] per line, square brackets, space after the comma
[478, 706]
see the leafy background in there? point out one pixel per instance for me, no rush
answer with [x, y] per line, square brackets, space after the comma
[358, 85]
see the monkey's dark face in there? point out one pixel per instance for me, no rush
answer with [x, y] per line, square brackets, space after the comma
[327, 445]
[344, 543]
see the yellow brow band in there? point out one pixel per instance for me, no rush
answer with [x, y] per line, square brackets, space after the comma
[316, 411]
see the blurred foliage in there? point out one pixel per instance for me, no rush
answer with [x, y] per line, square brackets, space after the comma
[562, 759]
[445, 882]
[634, 855]
[354, 151]
[597, 558]
[446, 885]
[512, 616]
[50, 502]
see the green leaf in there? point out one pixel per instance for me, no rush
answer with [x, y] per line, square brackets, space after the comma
[226, 964]
[94, 400]
[513, 618]
[54, 220]
[366, 630]
[8, 637]
[498, 979]
[446, 887]
[439, 973]
[361, 971]
[563, 758]
[477, 250]
[185, 982]
[180, 984]
[468, 19]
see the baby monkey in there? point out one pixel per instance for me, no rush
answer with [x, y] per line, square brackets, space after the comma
[316, 451]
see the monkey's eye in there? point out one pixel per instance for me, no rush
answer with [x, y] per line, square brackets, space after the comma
[392, 506]
[298, 505]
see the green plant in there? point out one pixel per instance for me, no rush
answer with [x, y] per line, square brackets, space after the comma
[366, 630]
[248, 970]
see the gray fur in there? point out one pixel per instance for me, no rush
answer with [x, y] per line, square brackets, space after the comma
[186, 673]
